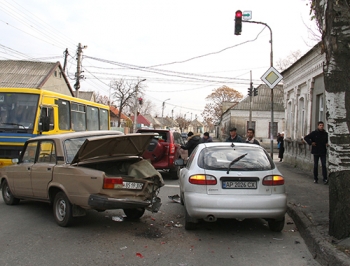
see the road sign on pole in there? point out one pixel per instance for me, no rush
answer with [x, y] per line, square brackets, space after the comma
[247, 15]
[271, 77]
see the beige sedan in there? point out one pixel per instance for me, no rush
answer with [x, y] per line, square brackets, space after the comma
[74, 172]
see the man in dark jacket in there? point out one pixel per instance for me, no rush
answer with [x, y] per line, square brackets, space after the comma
[192, 141]
[233, 136]
[250, 137]
[206, 138]
[318, 139]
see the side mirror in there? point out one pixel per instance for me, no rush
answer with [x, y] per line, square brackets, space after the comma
[180, 162]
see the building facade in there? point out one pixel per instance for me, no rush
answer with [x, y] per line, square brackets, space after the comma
[304, 98]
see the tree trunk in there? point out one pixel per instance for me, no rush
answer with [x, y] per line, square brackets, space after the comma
[334, 18]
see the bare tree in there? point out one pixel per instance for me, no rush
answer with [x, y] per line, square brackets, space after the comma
[102, 99]
[182, 122]
[213, 110]
[283, 64]
[333, 17]
[124, 93]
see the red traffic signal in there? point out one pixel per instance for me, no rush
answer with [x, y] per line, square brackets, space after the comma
[238, 22]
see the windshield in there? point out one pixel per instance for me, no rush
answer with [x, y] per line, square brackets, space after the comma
[18, 110]
[235, 159]
[72, 146]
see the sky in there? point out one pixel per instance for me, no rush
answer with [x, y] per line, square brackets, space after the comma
[184, 49]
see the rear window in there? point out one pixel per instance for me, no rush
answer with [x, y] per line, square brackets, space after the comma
[162, 135]
[246, 159]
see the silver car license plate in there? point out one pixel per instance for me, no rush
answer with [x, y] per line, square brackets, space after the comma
[239, 184]
[132, 185]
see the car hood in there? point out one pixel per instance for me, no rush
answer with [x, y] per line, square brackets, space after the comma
[113, 146]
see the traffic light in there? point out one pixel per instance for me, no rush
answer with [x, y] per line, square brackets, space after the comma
[140, 101]
[238, 22]
[255, 91]
[250, 91]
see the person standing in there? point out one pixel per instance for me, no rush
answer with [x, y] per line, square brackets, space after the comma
[233, 136]
[318, 139]
[250, 137]
[192, 141]
[280, 145]
[206, 138]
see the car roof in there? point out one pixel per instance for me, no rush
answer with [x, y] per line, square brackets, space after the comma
[237, 144]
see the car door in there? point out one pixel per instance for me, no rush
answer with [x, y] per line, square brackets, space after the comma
[21, 174]
[42, 170]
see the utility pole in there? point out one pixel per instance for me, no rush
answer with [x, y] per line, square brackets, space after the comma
[136, 105]
[65, 59]
[78, 75]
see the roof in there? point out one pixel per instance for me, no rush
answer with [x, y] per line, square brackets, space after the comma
[141, 120]
[115, 111]
[28, 74]
[262, 102]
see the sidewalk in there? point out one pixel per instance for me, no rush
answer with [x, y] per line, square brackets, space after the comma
[308, 206]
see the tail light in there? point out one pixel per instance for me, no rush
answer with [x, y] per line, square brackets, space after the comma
[202, 180]
[171, 149]
[171, 153]
[111, 183]
[273, 180]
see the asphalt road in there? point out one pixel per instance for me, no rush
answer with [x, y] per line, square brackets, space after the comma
[30, 236]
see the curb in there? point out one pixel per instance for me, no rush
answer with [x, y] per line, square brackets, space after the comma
[323, 251]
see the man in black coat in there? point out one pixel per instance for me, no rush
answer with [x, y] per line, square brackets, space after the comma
[318, 139]
[192, 141]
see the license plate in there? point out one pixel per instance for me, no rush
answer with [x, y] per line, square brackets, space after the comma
[132, 185]
[239, 184]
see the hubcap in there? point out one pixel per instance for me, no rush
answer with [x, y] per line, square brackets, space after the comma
[61, 209]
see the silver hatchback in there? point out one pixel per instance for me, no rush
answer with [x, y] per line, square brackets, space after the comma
[232, 180]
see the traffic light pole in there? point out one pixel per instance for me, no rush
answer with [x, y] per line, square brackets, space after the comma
[271, 64]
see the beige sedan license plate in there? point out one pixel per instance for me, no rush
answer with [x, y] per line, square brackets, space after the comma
[239, 184]
[132, 185]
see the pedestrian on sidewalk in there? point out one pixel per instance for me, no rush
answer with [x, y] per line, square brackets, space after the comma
[280, 145]
[318, 139]
[206, 138]
[250, 137]
[233, 136]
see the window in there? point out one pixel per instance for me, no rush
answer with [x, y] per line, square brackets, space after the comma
[301, 117]
[30, 152]
[104, 114]
[78, 117]
[92, 115]
[46, 118]
[47, 152]
[63, 114]
[319, 108]
[274, 130]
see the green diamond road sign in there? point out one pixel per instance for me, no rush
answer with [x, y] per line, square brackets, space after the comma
[271, 77]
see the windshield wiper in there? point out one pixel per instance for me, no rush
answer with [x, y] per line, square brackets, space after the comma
[234, 161]
[13, 124]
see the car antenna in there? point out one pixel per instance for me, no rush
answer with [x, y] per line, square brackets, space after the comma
[232, 145]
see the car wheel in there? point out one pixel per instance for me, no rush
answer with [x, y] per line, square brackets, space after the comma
[134, 213]
[190, 223]
[62, 209]
[276, 225]
[9, 199]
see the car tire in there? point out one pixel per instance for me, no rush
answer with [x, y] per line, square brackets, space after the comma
[276, 225]
[62, 210]
[134, 214]
[7, 195]
[190, 223]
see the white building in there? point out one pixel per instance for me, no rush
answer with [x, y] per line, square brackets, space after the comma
[304, 100]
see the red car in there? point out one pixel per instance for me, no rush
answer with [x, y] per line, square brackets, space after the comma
[164, 150]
